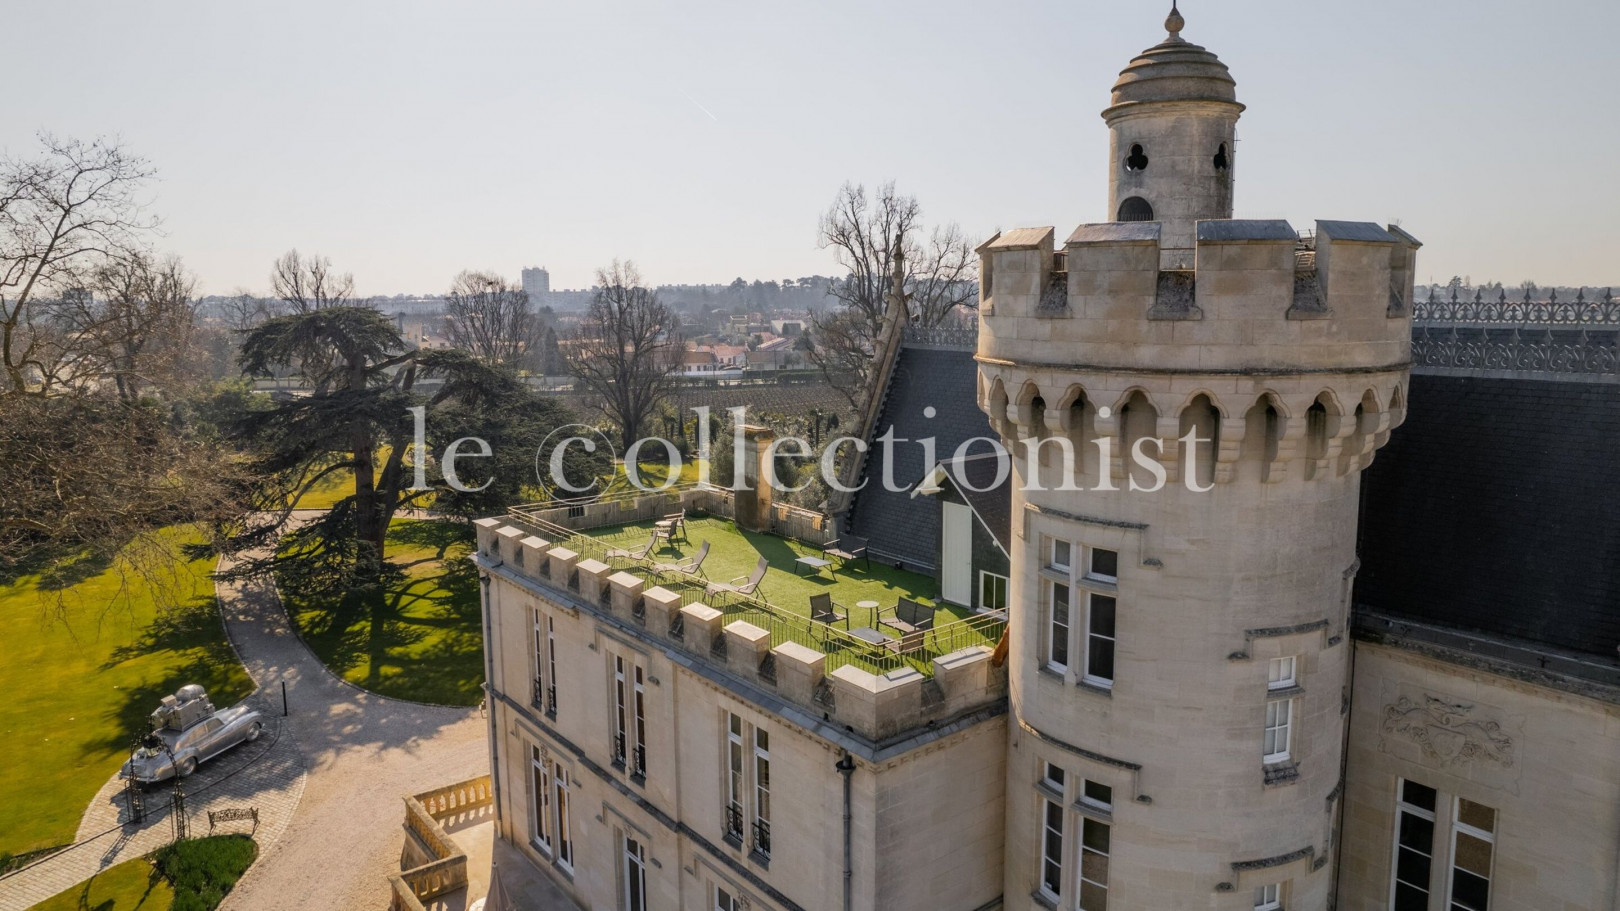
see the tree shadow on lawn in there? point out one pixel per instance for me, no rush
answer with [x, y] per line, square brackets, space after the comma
[193, 629]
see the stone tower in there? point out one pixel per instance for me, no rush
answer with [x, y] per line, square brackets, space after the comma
[1178, 653]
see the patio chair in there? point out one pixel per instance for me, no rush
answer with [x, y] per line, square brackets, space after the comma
[624, 553]
[742, 585]
[907, 643]
[825, 610]
[911, 617]
[847, 550]
[674, 524]
[691, 566]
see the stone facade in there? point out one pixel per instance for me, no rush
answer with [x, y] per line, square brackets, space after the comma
[571, 641]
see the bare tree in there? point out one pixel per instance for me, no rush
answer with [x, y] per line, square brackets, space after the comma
[626, 349]
[244, 310]
[941, 276]
[61, 215]
[491, 319]
[306, 283]
[135, 325]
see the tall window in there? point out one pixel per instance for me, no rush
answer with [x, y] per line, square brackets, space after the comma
[539, 801]
[539, 656]
[736, 787]
[1051, 848]
[1100, 639]
[565, 841]
[1279, 724]
[551, 666]
[725, 901]
[620, 711]
[1473, 843]
[635, 875]
[762, 793]
[1094, 846]
[638, 753]
[1268, 898]
[1057, 634]
[1414, 847]
[992, 591]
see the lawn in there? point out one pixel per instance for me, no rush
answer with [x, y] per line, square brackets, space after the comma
[133, 885]
[191, 875]
[788, 586]
[78, 689]
[422, 637]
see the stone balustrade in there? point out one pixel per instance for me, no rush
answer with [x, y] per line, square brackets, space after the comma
[432, 863]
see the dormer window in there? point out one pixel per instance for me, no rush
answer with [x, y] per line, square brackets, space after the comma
[1137, 160]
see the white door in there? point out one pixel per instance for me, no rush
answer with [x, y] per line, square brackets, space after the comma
[956, 556]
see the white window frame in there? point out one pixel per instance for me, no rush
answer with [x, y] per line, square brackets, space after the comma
[1092, 574]
[1092, 635]
[1048, 806]
[762, 779]
[635, 873]
[1059, 635]
[736, 767]
[565, 839]
[1282, 673]
[620, 717]
[1283, 726]
[1409, 809]
[1106, 806]
[1088, 823]
[1268, 897]
[638, 748]
[994, 579]
[539, 658]
[540, 801]
[724, 900]
[1458, 827]
[1067, 566]
[1051, 780]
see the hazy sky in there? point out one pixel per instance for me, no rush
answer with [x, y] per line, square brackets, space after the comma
[410, 140]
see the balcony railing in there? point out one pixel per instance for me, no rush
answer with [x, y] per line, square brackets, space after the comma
[762, 837]
[639, 768]
[551, 700]
[734, 824]
[618, 749]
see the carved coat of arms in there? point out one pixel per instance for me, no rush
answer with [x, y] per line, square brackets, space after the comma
[1447, 733]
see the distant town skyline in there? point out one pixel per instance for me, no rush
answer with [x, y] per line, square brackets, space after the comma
[704, 141]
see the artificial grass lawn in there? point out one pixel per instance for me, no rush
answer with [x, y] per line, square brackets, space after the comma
[77, 690]
[419, 639]
[133, 885]
[191, 875]
[787, 586]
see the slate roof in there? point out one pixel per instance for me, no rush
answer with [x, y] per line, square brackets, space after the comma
[898, 526]
[1496, 508]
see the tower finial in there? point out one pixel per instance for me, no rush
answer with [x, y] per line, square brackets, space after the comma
[1174, 24]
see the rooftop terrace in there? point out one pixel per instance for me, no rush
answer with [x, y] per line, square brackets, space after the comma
[893, 679]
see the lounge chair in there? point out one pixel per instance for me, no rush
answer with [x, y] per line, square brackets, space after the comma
[742, 585]
[847, 550]
[673, 524]
[623, 553]
[825, 610]
[692, 566]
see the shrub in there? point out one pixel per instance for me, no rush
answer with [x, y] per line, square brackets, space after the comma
[203, 870]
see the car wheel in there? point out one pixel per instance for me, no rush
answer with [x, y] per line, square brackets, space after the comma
[187, 766]
[254, 732]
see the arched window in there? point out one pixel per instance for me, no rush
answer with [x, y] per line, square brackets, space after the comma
[1135, 208]
[1221, 161]
[1137, 160]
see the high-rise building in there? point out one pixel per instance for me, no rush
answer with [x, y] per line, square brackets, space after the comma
[536, 282]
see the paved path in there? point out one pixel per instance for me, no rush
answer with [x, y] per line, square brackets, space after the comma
[364, 754]
[329, 779]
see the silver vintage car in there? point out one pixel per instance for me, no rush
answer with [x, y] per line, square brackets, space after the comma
[186, 730]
